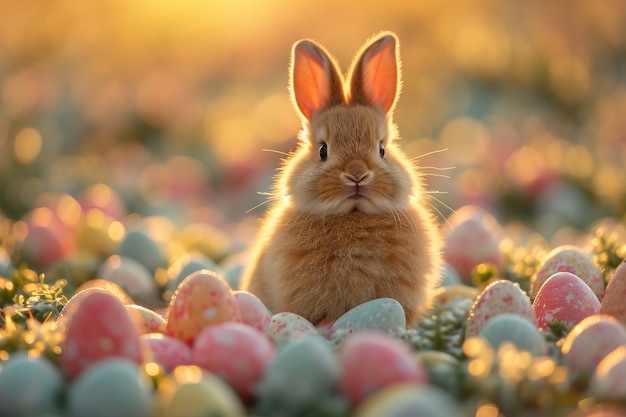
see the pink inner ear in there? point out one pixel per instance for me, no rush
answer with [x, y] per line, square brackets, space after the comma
[311, 79]
[380, 73]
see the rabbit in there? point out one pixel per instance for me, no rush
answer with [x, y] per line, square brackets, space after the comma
[348, 221]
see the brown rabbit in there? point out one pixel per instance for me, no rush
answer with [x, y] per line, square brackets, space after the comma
[348, 222]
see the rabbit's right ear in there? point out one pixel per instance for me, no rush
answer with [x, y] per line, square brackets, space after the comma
[315, 81]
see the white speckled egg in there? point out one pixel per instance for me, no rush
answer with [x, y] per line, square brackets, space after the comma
[287, 326]
[253, 311]
[497, 298]
[384, 314]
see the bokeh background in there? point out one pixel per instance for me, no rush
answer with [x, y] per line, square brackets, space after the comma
[169, 104]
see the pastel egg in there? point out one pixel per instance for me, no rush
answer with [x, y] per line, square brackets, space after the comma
[287, 326]
[443, 295]
[613, 301]
[48, 240]
[573, 260]
[512, 328]
[361, 356]
[103, 198]
[131, 276]
[201, 300]
[235, 352]
[293, 384]
[253, 311]
[29, 386]
[190, 391]
[109, 286]
[608, 381]
[497, 298]
[146, 320]
[590, 341]
[409, 399]
[100, 328]
[474, 239]
[186, 265]
[69, 309]
[564, 297]
[112, 387]
[167, 351]
[384, 314]
[137, 245]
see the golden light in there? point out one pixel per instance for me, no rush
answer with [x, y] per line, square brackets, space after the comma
[541, 368]
[487, 410]
[116, 231]
[187, 374]
[152, 369]
[27, 145]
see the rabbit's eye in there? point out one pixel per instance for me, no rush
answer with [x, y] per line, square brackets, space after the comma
[381, 150]
[323, 151]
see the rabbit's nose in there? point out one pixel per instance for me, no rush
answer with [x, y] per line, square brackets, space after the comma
[356, 172]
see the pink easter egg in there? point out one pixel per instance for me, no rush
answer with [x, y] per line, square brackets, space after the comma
[100, 328]
[146, 320]
[47, 240]
[613, 301]
[565, 297]
[235, 352]
[167, 351]
[253, 311]
[372, 361]
[497, 298]
[591, 340]
[569, 259]
[200, 300]
[608, 381]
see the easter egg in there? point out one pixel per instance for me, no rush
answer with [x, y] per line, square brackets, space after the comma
[47, 239]
[443, 295]
[497, 298]
[167, 351]
[29, 386]
[109, 286]
[449, 276]
[361, 357]
[474, 239]
[408, 399]
[512, 328]
[112, 387]
[100, 328]
[613, 301]
[287, 326]
[235, 352]
[233, 271]
[201, 300]
[183, 267]
[608, 381]
[190, 391]
[131, 276]
[302, 374]
[99, 234]
[591, 340]
[137, 245]
[564, 297]
[6, 265]
[146, 320]
[573, 260]
[253, 311]
[69, 309]
[384, 314]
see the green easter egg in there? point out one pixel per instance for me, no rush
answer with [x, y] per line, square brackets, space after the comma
[142, 248]
[513, 328]
[385, 314]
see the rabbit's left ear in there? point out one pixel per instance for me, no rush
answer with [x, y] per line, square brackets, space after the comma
[374, 77]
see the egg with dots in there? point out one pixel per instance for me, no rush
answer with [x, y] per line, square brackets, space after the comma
[613, 301]
[566, 298]
[202, 299]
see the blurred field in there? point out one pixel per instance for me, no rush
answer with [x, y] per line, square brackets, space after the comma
[170, 103]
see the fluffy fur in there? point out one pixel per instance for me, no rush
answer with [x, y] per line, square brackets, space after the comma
[353, 226]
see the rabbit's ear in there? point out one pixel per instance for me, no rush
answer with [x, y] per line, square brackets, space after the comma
[375, 74]
[315, 81]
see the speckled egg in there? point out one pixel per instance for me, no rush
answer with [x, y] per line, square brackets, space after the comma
[608, 381]
[497, 298]
[253, 311]
[146, 320]
[292, 383]
[473, 240]
[590, 341]
[287, 326]
[443, 295]
[613, 301]
[384, 314]
[99, 329]
[141, 247]
[409, 399]
[235, 352]
[190, 391]
[112, 387]
[361, 357]
[29, 386]
[201, 300]
[565, 297]
[131, 276]
[569, 259]
[512, 328]
[69, 309]
[167, 351]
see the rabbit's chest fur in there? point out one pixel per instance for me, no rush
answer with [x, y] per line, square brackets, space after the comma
[321, 266]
